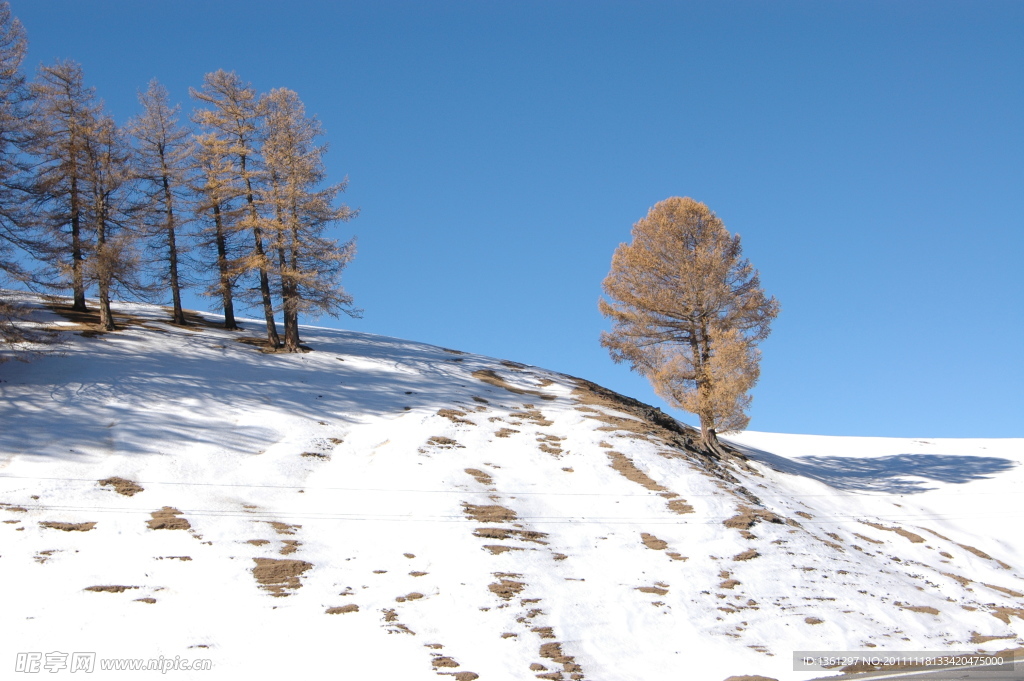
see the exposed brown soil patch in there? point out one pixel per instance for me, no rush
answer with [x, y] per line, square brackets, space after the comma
[414, 596]
[981, 554]
[680, 506]
[532, 415]
[506, 588]
[749, 554]
[505, 432]
[44, 556]
[553, 652]
[1004, 613]
[652, 542]
[258, 542]
[675, 556]
[110, 588]
[444, 662]
[491, 378]
[1004, 590]
[814, 620]
[183, 559]
[659, 590]
[907, 534]
[417, 573]
[279, 576]
[122, 486]
[491, 513]
[729, 584]
[290, 546]
[455, 416]
[917, 608]
[868, 539]
[505, 533]
[442, 442]
[498, 549]
[67, 527]
[480, 476]
[977, 638]
[747, 517]
[341, 610]
[167, 518]
[317, 455]
[625, 467]
[550, 444]
[283, 528]
[147, 599]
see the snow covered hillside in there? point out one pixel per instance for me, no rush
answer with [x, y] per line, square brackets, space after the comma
[380, 508]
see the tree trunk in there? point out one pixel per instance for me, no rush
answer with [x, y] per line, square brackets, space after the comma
[225, 274]
[77, 258]
[268, 303]
[106, 317]
[178, 315]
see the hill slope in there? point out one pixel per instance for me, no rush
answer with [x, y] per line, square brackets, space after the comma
[390, 509]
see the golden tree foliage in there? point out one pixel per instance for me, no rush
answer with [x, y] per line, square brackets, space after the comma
[688, 312]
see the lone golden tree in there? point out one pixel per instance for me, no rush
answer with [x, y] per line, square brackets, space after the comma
[688, 312]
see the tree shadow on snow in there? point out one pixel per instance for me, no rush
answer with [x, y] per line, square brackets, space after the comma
[895, 474]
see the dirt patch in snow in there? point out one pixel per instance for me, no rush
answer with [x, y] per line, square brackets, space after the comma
[67, 527]
[490, 377]
[506, 587]
[279, 576]
[1003, 613]
[342, 609]
[749, 554]
[502, 533]
[498, 549]
[1004, 590]
[455, 416]
[122, 486]
[480, 476]
[167, 518]
[491, 513]
[110, 588]
[623, 465]
[289, 546]
[283, 528]
[442, 442]
[659, 590]
[906, 534]
[505, 432]
[747, 517]
[652, 542]
[532, 415]
[917, 608]
[553, 652]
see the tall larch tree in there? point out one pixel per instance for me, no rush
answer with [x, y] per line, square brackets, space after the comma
[302, 208]
[163, 152]
[107, 214]
[688, 312]
[236, 114]
[13, 121]
[64, 114]
[217, 195]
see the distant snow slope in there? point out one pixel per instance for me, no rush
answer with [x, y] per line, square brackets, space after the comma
[386, 509]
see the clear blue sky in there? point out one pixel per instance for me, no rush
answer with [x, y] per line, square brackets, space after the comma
[871, 154]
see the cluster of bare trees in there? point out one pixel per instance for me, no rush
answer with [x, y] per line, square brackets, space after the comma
[234, 200]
